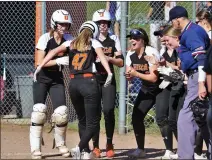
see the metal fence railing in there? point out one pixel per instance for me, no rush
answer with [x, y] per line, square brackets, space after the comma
[17, 28]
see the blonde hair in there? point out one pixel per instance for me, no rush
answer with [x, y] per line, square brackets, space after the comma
[82, 42]
[170, 31]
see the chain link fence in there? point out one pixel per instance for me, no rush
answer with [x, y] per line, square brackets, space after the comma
[17, 28]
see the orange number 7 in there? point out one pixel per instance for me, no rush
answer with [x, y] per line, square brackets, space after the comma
[79, 60]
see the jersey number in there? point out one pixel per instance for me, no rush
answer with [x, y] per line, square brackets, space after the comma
[79, 60]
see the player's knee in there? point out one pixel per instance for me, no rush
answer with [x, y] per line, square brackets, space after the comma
[162, 122]
[38, 116]
[60, 116]
[108, 111]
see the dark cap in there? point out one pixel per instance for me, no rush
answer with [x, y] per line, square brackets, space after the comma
[135, 33]
[158, 33]
[177, 12]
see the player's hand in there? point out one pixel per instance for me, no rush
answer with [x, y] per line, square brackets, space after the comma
[38, 69]
[62, 61]
[127, 75]
[202, 90]
[132, 72]
[108, 80]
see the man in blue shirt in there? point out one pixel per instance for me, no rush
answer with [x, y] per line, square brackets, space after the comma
[193, 44]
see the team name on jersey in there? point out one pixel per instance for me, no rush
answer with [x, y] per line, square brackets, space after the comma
[107, 50]
[140, 67]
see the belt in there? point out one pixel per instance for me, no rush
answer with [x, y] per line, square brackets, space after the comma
[191, 72]
[84, 75]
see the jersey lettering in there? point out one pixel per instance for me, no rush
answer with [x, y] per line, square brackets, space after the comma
[78, 60]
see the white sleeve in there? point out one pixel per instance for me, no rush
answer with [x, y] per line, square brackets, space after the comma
[42, 42]
[67, 43]
[128, 60]
[117, 42]
[150, 51]
[96, 44]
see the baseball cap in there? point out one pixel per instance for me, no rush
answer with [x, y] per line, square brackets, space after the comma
[158, 33]
[177, 12]
[135, 33]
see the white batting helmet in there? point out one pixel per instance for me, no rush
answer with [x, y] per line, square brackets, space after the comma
[60, 16]
[92, 26]
[101, 14]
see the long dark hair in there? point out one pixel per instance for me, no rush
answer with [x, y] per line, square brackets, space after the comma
[204, 14]
[144, 37]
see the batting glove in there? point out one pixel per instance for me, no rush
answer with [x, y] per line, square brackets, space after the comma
[108, 80]
[38, 69]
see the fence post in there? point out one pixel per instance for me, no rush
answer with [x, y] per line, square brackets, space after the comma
[122, 92]
[43, 17]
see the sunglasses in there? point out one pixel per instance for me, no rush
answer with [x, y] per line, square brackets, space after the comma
[136, 33]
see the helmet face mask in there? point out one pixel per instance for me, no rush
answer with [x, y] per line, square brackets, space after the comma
[92, 26]
[60, 17]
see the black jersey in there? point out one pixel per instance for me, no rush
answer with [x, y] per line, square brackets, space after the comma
[173, 59]
[110, 45]
[52, 73]
[83, 62]
[142, 66]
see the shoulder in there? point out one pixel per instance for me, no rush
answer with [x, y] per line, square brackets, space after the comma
[113, 37]
[45, 37]
[96, 44]
[130, 53]
[150, 51]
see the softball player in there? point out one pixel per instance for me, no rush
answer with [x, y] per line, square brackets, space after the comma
[83, 87]
[170, 100]
[50, 80]
[193, 42]
[137, 66]
[112, 51]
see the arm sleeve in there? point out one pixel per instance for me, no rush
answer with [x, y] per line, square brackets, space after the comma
[42, 42]
[117, 44]
[128, 59]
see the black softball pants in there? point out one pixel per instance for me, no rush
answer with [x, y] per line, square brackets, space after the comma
[55, 90]
[108, 96]
[168, 104]
[143, 104]
[85, 97]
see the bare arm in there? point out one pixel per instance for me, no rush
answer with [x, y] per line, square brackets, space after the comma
[103, 59]
[209, 82]
[116, 61]
[51, 54]
[40, 57]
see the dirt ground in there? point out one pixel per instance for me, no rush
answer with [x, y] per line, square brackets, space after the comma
[15, 143]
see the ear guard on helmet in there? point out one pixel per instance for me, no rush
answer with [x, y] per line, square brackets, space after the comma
[92, 26]
[60, 16]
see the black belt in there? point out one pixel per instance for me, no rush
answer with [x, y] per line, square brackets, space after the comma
[191, 72]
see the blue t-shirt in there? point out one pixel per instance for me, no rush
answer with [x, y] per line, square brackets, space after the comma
[193, 44]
